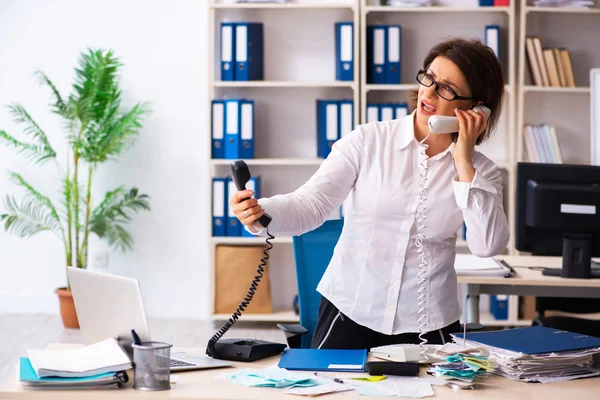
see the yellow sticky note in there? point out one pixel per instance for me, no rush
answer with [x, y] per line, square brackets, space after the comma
[374, 378]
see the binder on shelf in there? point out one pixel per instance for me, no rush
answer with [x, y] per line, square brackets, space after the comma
[232, 129]
[376, 53]
[372, 113]
[249, 51]
[327, 126]
[499, 306]
[486, 3]
[252, 184]
[246, 129]
[346, 117]
[492, 38]
[218, 129]
[234, 226]
[219, 205]
[227, 51]
[401, 111]
[392, 62]
[386, 112]
[501, 3]
[344, 51]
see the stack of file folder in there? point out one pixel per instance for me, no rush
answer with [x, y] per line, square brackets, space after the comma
[538, 354]
[101, 365]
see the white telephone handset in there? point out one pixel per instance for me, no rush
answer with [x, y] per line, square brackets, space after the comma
[448, 124]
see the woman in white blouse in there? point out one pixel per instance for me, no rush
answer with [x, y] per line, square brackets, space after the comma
[370, 292]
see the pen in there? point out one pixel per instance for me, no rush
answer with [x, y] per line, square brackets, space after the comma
[136, 338]
[338, 380]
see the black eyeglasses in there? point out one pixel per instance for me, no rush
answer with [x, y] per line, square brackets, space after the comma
[444, 91]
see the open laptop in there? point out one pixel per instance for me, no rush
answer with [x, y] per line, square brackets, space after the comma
[111, 306]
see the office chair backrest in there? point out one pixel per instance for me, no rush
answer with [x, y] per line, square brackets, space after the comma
[312, 253]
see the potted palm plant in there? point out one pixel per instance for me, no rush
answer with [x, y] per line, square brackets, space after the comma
[98, 129]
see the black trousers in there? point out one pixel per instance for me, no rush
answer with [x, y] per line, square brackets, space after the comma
[335, 330]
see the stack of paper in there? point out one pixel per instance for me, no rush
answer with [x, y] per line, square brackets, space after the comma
[538, 354]
[99, 364]
[466, 264]
[564, 3]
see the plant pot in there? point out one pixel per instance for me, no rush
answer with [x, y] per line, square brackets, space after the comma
[67, 308]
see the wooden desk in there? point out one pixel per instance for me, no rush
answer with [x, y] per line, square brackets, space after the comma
[527, 282]
[202, 385]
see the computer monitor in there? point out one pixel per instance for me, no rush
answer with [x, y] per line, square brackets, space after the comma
[558, 213]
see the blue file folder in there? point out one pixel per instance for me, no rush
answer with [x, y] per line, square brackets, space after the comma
[499, 306]
[218, 129]
[252, 184]
[234, 226]
[534, 340]
[327, 126]
[232, 129]
[373, 114]
[492, 38]
[344, 51]
[323, 360]
[401, 111]
[227, 51]
[346, 110]
[376, 53]
[249, 51]
[246, 129]
[394, 47]
[386, 112]
[219, 206]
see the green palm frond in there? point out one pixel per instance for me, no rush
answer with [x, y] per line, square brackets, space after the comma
[115, 135]
[95, 85]
[21, 116]
[59, 106]
[43, 200]
[34, 153]
[28, 218]
[114, 211]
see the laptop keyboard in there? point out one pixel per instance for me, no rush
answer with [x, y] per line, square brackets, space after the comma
[179, 363]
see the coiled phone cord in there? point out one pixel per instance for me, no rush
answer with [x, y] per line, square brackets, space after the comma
[422, 252]
[210, 348]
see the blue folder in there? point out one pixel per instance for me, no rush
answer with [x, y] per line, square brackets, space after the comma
[324, 360]
[246, 120]
[252, 184]
[227, 51]
[534, 340]
[344, 51]
[232, 129]
[377, 47]
[328, 126]
[393, 54]
[219, 206]
[27, 374]
[249, 51]
[492, 38]
[218, 129]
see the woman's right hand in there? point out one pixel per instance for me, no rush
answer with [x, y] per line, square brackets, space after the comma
[246, 208]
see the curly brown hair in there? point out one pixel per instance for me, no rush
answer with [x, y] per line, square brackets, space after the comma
[482, 70]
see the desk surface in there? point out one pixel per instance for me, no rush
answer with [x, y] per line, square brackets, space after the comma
[531, 277]
[202, 385]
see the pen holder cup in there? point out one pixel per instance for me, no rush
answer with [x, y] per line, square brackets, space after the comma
[152, 361]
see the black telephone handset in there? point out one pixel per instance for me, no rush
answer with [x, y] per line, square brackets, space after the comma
[245, 349]
[241, 175]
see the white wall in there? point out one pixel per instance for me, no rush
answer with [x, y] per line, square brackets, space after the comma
[163, 46]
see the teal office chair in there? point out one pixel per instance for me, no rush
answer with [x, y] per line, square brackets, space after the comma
[312, 253]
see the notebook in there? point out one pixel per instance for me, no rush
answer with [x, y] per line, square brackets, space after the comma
[102, 357]
[324, 360]
[533, 340]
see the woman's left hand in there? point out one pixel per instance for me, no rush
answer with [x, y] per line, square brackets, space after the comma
[471, 125]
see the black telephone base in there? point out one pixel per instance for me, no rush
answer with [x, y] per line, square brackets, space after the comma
[246, 349]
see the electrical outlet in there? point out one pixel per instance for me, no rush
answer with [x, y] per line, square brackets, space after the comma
[100, 259]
